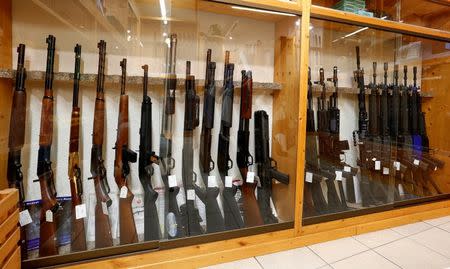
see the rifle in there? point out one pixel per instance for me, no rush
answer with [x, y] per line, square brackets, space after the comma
[103, 236]
[49, 205]
[385, 154]
[244, 159]
[374, 142]
[313, 190]
[336, 202]
[124, 156]
[190, 213]
[267, 167]
[147, 157]
[232, 215]
[214, 219]
[172, 221]
[17, 138]
[367, 196]
[78, 235]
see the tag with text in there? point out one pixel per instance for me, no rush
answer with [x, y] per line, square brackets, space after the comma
[80, 211]
[190, 195]
[385, 171]
[309, 177]
[48, 216]
[123, 192]
[347, 169]
[377, 165]
[338, 175]
[25, 218]
[212, 182]
[173, 181]
[416, 162]
[250, 177]
[228, 181]
[104, 208]
[397, 166]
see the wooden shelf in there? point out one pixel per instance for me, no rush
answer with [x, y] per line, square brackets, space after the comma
[131, 80]
[348, 90]
[319, 12]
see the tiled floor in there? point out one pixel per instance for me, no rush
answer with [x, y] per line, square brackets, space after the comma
[419, 245]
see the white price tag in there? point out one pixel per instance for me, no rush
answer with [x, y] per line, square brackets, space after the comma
[123, 192]
[190, 195]
[48, 216]
[173, 181]
[377, 165]
[250, 177]
[80, 211]
[212, 182]
[25, 218]
[347, 169]
[397, 166]
[309, 177]
[228, 181]
[416, 162]
[385, 171]
[104, 208]
[338, 175]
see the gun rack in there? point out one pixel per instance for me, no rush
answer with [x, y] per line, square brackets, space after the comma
[90, 79]
[317, 89]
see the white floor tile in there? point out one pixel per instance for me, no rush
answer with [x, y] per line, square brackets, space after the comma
[436, 239]
[367, 260]
[301, 258]
[378, 238]
[249, 263]
[445, 226]
[409, 254]
[438, 221]
[336, 250]
[413, 228]
[326, 267]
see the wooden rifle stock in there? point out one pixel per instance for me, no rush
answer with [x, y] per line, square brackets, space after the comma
[124, 155]
[103, 236]
[49, 204]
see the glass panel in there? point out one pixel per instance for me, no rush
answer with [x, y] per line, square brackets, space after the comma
[428, 13]
[374, 141]
[195, 151]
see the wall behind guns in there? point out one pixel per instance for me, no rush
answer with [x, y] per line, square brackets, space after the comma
[252, 48]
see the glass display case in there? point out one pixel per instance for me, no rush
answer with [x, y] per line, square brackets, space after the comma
[428, 13]
[150, 123]
[374, 138]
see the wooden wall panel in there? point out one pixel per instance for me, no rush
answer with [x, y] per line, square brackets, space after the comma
[5, 85]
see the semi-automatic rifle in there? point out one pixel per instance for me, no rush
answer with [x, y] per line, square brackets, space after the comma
[103, 236]
[364, 164]
[313, 190]
[49, 204]
[172, 220]
[124, 155]
[147, 157]
[78, 236]
[267, 167]
[336, 202]
[214, 218]
[232, 215]
[191, 216]
[17, 138]
[244, 159]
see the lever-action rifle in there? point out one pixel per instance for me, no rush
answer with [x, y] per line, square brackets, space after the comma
[252, 216]
[172, 221]
[214, 219]
[49, 205]
[267, 167]
[17, 138]
[147, 157]
[103, 236]
[232, 215]
[124, 156]
[189, 211]
[78, 235]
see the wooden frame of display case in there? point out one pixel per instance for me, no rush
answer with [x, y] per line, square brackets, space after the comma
[268, 241]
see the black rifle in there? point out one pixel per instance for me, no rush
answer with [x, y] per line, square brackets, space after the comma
[315, 202]
[232, 215]
[147, 157]
[385, 155]
[214, 219]
[191, 216]
[336, 201]
[364, 162]
[267, 167]
[172, 221]
[17, 138]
